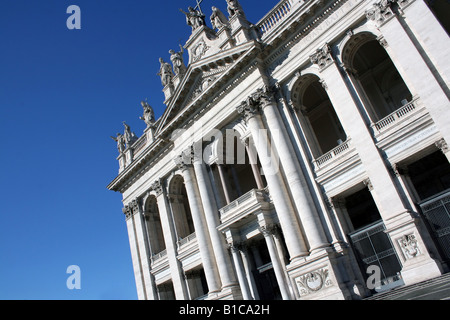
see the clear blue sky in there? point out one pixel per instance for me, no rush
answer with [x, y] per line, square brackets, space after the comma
[63, 93]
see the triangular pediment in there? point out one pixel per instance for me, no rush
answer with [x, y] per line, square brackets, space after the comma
[203, 78]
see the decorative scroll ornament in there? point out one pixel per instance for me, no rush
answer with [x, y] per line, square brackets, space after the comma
[313, 282]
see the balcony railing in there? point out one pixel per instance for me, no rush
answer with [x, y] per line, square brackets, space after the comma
[187, 240]
[395, 117]
[331, 155]
[241, 206]
[275, 16]
[159, 256]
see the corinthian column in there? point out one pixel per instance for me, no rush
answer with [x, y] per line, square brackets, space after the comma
[269, 161]
[168, 227]
[303, 201]
[212, 219]
[184, 163]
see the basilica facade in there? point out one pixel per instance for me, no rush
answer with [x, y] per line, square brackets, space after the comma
[301, 157]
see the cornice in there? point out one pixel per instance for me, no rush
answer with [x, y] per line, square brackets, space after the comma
[296, 27]
[140, 165]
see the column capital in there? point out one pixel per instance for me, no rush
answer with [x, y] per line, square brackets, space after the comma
[368, 184]
[322, 57]
[256, 102]
[442, 145]
[235, 246]
[399, 170]
[380, 12]
[185, 159]
[267, 230]
[157, 187]
[335, 202]
[131, 209]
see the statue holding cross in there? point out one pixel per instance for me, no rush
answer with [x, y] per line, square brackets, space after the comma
[194, 18]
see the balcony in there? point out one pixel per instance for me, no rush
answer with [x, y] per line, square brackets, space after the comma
[332, 156]
[396, 117]
[250, 203]
[158, 257]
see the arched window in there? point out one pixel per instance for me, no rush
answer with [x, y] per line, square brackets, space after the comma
[319, 119]
[376, 78]
[154, 227]
[180, 208]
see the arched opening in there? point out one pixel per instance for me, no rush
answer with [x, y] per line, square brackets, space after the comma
[376, 78]
[180, 208]
[154, 227]
[322, 126]
[237, 169]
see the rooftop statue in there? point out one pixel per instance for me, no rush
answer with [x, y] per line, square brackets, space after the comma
[165, 72]
[120, 139]
[178, 62]
[130, 137]
[234, 7]
[194, 18]
[149, 114]
[218, 19]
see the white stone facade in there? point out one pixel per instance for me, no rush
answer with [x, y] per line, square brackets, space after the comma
[294, 154]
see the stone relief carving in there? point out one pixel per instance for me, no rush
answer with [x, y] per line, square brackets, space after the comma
[199, 50]
[409, 245]
[313, 282]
